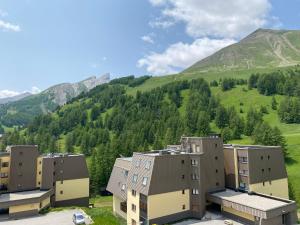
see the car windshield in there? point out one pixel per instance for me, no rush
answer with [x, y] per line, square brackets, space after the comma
[79, 217]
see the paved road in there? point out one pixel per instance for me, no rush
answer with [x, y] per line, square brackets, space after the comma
[52, 218]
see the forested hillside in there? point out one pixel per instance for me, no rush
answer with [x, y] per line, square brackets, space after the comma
[110, 121]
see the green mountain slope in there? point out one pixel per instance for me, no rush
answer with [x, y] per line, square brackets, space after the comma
[21, 112]
[262, 49]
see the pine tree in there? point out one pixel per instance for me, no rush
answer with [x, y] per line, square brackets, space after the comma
[203, 127]
[69, 143]
[221, 117]
[274, 103]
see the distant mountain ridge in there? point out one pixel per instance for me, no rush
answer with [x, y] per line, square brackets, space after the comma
[19, 113]
[14, 98]
[263, 48]
[62, 93]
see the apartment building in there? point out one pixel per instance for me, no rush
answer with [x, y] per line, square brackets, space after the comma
[30, 182]
[258, 169]
[183, 181]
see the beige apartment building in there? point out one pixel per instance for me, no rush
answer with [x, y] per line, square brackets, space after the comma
[184, 181]
[30, 182]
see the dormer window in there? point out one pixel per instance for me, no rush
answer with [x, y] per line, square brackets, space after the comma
[123, 187]
[148, 165]
[145, 181]
[134, 178]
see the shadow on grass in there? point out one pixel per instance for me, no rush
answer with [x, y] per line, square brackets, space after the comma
[290, 161]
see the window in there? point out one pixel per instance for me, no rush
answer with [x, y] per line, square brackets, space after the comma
[243, 159]
[54, 173]
[134, 178]
[4, 175]
[126, 173]
[133, 222]
[183, 207]
[53, 184]
[133, 192]
[217, 170]
[20, 163]
[262, 170]
[61, 192]
[138, 163]
[54, 163]
[20, 174]
[40, 172]
[61, 171]
[195, 191]
[20, 153]
[183, 192]
[5, 164]
[39, 183]
[123, 187]
[263, 183]
[216, 158]
[194, 162]
[217, 183]
[268, 157]
[195, 176]
[40, 162]
[216, 145]
[182, 177]
[182, 161]
[133, 207]
[148, 165]
[145, 181]
[261, 157]
[243, 172]
[61, 161]
[269, 169]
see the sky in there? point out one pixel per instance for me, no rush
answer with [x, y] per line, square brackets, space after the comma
[43, 43]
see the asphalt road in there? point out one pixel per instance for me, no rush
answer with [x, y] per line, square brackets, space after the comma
[52, 218]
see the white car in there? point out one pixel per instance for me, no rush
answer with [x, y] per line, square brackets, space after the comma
[78, 218]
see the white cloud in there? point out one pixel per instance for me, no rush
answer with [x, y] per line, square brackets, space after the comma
[161, 23]
[35, 90]
[148, 39]
[181, 55]
[6, 26]
[8, 93]
[218, 18]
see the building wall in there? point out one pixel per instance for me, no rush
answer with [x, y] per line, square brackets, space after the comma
[165, 204]
[238, 213]
[45, 203]
[131, 215]
[71, 189]
[278, 188]
[47, 173]
[39, 171]
[116, 207]
[22, 168]
[22, 208]
[4, 159]
[229, 168]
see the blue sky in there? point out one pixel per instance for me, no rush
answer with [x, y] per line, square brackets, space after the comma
[48, 42]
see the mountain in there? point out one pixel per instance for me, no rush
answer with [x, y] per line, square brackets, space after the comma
[14, 98]
[24, 110]
[264, 48]
[62, 93]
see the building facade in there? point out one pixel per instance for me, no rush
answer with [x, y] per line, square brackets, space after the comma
[30, 182]
[258, 169]
[160, 187]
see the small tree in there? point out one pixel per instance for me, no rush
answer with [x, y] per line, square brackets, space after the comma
[274, 103]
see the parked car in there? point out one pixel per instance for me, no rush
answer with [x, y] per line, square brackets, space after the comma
[78, 218]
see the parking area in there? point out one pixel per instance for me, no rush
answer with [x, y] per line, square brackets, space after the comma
[52, 218]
